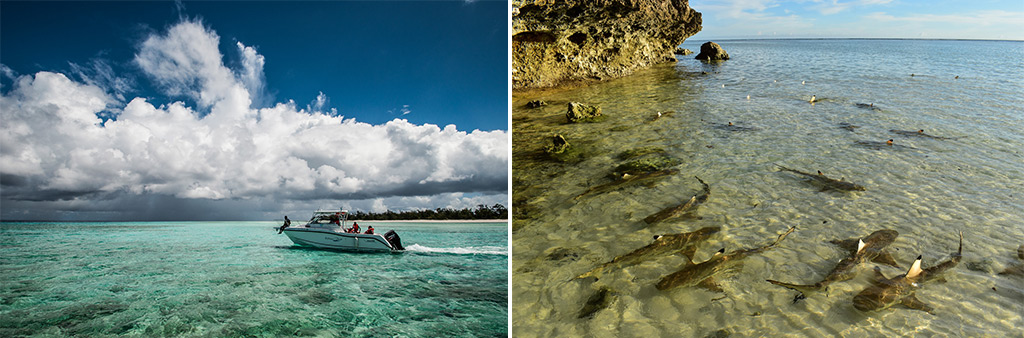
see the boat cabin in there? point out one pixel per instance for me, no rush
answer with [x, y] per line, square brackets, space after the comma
[326, 218]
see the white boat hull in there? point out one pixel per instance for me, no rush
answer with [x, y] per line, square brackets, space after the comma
[329, 239]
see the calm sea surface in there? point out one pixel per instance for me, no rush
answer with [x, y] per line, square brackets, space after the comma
[242, 279]
[927, 189]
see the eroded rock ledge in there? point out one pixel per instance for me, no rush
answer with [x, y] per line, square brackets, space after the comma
[555, 42]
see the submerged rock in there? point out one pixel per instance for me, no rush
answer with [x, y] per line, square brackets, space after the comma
[711, 51]
[558, 42]
[536, 104]
[560, 150]
[559, 145]
[579, 112]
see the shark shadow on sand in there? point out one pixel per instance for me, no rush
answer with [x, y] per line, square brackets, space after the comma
[1016, 269]
[597, 302]
[886, 292]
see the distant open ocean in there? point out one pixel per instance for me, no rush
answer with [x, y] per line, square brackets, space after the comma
[927, 189]
[242, 279]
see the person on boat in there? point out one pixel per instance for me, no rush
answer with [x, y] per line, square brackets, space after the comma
[355, 228]
[287, 222]
[336, 219]
[369, 230]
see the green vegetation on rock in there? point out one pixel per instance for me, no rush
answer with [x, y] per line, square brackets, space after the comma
[579, 112]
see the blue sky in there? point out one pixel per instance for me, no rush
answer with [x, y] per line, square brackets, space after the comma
[250, 110]
[940, 19]
[428, 62]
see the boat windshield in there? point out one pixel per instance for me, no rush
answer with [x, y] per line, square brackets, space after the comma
[326, 217]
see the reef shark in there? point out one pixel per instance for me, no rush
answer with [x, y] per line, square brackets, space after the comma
[868, 106]
[684, 209]
[826, 182]
[848, 126]
[870, 248]
[920, 133]
[886, 292]
[627, 180]
[702, 274]
[732, 127]
[663, 244]
[882, 145]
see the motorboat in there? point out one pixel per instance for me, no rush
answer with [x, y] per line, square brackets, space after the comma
[328, 229]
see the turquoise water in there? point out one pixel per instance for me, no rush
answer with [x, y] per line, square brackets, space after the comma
[970, 91]
[242, 279]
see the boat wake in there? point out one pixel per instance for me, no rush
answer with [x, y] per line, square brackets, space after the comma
[473, 250]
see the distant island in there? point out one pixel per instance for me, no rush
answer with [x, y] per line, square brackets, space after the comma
[481, 212]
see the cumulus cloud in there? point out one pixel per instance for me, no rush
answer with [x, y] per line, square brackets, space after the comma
[320, 103]
[251, 75]
[55, 149]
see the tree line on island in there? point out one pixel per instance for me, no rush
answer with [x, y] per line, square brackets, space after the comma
[496, 211]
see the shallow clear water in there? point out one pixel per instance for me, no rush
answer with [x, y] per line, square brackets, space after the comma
[927, 191]
[232, 279]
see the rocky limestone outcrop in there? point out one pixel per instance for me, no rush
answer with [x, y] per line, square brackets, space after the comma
[683, 51]
[564, 41]
[711, 51]
[579, 112]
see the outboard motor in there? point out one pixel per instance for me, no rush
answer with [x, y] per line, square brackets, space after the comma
[393, 238]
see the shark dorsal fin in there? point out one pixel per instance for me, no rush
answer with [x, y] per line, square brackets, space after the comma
[915, 269]
[860, 245]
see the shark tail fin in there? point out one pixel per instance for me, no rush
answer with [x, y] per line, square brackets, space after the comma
[915, 269]
[805, 289]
